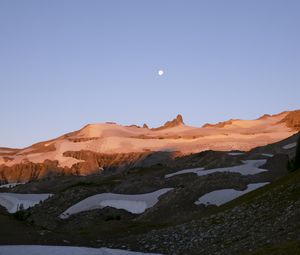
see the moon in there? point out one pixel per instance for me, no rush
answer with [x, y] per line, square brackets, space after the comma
[160, 72]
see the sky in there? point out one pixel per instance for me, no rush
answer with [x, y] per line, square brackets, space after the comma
[67, 63]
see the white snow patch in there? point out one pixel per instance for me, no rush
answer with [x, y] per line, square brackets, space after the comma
[132, 203]
[62, 250]
[12, 201]
[11, 185]
[192, 170]
[267, 155]
[248, 168]
[289, 146]
[235, 153]
[223, 196]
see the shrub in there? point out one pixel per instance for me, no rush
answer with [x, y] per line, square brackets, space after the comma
[291, 165]
[21, 213]
[113, 217]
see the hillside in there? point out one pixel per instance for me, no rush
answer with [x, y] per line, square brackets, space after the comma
[262, 221]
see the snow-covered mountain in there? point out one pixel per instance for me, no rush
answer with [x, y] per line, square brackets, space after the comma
[85, 150]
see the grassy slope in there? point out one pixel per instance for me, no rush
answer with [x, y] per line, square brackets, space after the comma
[286, 247]
[277, 186]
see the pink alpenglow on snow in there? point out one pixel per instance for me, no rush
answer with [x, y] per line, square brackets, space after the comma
[175, 135]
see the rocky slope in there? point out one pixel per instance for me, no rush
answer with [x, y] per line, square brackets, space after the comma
[263, 219]
[175, 225]
[106, 146]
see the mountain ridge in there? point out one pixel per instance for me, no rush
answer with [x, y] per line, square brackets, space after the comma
[81, 152]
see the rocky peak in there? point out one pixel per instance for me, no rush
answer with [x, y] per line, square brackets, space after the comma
[172, 123]
[175, 122]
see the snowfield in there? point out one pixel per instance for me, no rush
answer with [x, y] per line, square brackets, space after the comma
[11, 185]
[13, 201]
[132, 203]
[186, 171]
[223, 196]
[289, 146]
[248, 168]
[235, 153]
[267, 155]
[62, 250]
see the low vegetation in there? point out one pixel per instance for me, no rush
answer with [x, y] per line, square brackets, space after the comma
[21, 214]
[289, 247]
[113, 217]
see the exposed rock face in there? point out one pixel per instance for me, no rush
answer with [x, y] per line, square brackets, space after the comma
[172, 123]
[219, 125]
[30, 171]
[292, 120]
[97, 162]
[145, 125]
[83, 139]
[92, 163]
[175, 122]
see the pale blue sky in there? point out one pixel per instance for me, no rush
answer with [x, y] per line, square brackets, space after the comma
[64, 64]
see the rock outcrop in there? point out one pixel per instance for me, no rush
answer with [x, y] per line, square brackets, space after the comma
[292, 120]
[172, 123]
[219, 124]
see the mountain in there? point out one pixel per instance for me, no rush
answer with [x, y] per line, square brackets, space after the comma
[175, 199]
[108, 145]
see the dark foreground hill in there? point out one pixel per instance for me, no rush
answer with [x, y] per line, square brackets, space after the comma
[265, 221]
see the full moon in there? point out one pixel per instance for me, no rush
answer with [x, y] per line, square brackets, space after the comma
[160, 72]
